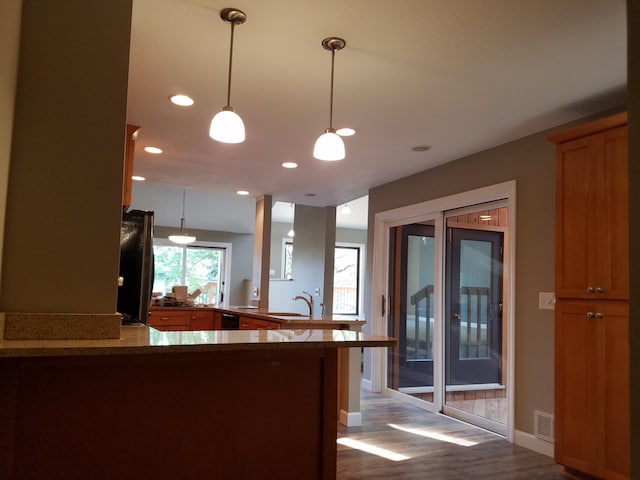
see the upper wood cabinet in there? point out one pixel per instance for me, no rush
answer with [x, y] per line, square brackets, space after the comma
[592, 253]
[130, 140]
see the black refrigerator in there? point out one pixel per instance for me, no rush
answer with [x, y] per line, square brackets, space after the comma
[136, 266]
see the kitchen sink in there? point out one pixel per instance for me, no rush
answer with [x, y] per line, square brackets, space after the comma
[285, 314]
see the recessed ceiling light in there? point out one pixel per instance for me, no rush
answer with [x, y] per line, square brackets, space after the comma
[289, 164]
[181, 100]
[138, 178]
[346, 132]
[242, 192]
[485, 217]
[421, 148]
[154, 150]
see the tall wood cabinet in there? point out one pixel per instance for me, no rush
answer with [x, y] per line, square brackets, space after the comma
[592, 291]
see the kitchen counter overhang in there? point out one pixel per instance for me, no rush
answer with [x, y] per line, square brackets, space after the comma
[201, 404]
[147, 340]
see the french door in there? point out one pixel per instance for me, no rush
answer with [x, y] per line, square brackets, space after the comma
[446, 303]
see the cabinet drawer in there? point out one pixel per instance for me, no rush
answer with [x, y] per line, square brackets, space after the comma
[165, 318]
[259, 324]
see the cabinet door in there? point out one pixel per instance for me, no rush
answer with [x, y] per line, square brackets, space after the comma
[611, 228]
[202, 320]
[217, 320]
[613, 390]
[575, 397]
[575, 170]
[592, 390]
[592, 253]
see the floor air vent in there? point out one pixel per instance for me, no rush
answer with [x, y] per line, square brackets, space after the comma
[544, 426]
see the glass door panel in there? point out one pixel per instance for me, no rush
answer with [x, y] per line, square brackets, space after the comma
[473, 326]
[411, 319]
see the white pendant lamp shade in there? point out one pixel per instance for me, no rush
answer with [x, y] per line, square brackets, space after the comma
[329, 146]
[182, 239]
[227, 127]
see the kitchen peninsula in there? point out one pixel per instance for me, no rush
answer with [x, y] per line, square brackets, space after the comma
[186, 404]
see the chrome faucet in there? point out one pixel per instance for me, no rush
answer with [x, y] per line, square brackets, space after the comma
[308, 301]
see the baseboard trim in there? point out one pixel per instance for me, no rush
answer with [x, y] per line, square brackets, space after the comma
[350, 419]
[529, 441]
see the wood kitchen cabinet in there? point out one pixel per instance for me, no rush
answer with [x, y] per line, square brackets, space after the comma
[202, 320]
[130, 140]
[170, 320]
[592, 373]
[592, 437]
[592, 229]
[250, 323]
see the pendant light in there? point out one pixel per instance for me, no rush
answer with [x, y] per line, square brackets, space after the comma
[329, 146]
[183, 238]
[292, 232]
[227, 126]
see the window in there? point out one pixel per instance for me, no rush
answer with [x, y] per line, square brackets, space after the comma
[197, 267]
[287, 259]
[346, 280]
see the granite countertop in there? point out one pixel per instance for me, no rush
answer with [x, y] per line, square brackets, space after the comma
[147, 340]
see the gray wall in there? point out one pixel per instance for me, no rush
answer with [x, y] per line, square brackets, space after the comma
[71, 98]
[530, 161]
[241, 258]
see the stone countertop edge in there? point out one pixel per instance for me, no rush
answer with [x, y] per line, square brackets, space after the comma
[140, 340]
[60, 326]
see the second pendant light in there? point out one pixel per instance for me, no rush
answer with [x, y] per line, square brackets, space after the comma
[329, 146]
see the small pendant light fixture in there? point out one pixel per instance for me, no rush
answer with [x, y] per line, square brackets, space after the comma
[292, 232]
[329, 145]
[183, 238]
[227, 126]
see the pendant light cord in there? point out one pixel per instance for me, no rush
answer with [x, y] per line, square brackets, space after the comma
[333, 56]
[182, 220]
[230, 64]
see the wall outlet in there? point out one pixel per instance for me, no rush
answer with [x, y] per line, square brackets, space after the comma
[546, 301]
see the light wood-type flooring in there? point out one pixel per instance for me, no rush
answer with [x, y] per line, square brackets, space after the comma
[400, 441]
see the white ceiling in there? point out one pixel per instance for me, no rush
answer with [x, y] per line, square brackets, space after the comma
[459, 75]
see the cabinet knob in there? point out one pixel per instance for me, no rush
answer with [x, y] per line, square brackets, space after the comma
[591, 314]
[599, 315]
[599, 289]
[590, 289]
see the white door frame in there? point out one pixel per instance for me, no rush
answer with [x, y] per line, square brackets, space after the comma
[430, 210]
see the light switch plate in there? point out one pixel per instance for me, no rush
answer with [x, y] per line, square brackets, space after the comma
[546, 301]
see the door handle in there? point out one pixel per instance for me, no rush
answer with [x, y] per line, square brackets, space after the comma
[383, 307]
[457, 316]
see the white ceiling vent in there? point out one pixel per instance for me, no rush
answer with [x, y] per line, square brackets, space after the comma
[544, 426]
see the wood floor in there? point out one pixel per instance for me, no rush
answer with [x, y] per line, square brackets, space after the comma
[405, 442]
